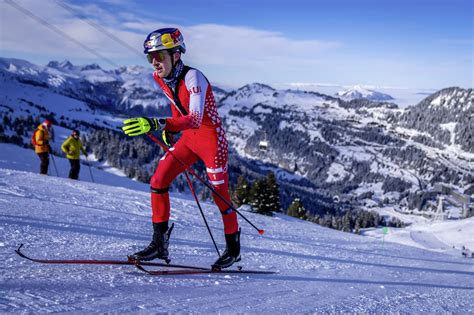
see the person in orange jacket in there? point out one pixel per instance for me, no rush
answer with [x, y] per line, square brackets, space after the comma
[40, 140]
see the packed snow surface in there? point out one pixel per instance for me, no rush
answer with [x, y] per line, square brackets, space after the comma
[319, 270]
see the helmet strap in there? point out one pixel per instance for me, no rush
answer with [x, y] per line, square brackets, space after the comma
[173, 62]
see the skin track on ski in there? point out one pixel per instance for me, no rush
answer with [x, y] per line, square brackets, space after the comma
[200, 272]
[103, 262]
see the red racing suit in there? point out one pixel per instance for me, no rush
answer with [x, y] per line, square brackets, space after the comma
[194, 112]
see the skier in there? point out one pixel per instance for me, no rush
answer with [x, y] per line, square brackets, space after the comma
[40, 140]
[194, 113]
[72, 146]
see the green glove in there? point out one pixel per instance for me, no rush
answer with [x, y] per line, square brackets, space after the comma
[167, 137]
[141, 125]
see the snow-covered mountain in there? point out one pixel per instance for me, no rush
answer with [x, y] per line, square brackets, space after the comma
[444, 117]
[126, 89]
[359, 92]
[360, 153]
[58, 218]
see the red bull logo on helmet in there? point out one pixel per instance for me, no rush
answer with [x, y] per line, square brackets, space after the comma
[166, 38]
[176, 36]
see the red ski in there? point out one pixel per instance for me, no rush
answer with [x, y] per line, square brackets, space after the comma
[102, 262]
[180, 269]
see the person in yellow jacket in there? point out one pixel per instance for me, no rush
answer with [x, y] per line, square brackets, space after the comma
[40, 140]
[72, 146]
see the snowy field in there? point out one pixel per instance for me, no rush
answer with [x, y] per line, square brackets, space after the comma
[319, 270]
[447, 236]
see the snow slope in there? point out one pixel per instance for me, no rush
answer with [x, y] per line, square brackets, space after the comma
[441, 236]
[15, 157]
[320, 270]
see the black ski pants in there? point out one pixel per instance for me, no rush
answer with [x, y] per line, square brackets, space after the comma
[75, 168]
[44, 158]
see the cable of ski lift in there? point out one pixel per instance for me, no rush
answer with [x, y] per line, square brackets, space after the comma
[58, 31]
[98, 27]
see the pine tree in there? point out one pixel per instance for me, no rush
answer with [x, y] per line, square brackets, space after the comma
[257, 196]
[273, 190]
[376, 219]
[142, 175]
[316, 219]
[365, 218]
[297, 210]
[347, 222]
[6, 121]
[327, 220]
[265, 196]
[241, 195]
[357, 225]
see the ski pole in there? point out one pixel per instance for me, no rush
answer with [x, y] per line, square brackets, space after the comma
[54, 164]
[206, 183]
[202, 212]
[90, 171]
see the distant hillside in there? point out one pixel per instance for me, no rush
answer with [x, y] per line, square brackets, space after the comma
[333, 154]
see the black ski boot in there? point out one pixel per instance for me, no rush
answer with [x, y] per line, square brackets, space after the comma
[158, 247]
[231, 253]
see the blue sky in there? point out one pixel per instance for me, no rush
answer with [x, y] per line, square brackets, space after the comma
[385, 43]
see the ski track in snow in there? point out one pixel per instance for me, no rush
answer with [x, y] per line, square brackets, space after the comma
[320, 270]
[428, 240]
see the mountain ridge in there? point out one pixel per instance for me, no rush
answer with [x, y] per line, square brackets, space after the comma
[359, 92]
[319, 146]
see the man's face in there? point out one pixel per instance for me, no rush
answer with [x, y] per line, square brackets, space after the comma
[162, 62]
[75, 135]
